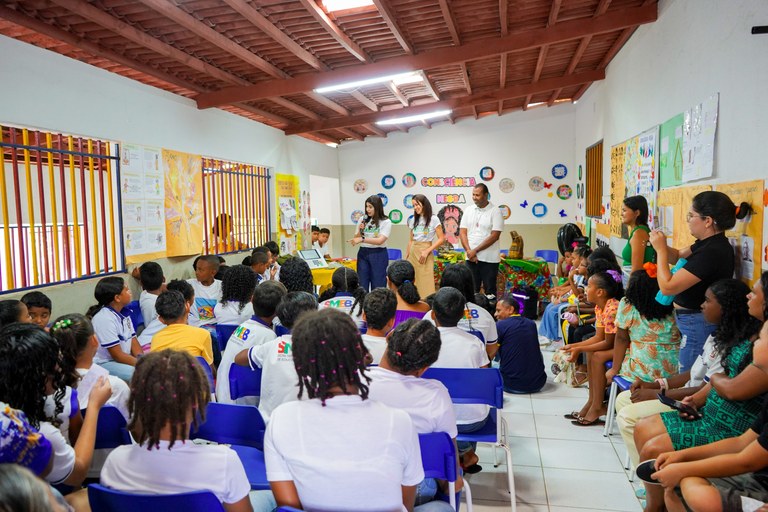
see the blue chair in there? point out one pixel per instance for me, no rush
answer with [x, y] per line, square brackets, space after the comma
[255, 467]
[208, 372]
[480, 386]
[243, 381]
[439, 460]
[618, 383]
[282, 330]
[133, 310]
[395, 254]
[111, 429]
[548, 255]
[504, 253]
[223, 333]
[232, 424]
[103, 499]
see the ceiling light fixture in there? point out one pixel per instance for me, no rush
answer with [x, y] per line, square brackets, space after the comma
[342, 5]
[332, 145]
[537, 104]
[413, 119]
[361, 83]
[408, 78]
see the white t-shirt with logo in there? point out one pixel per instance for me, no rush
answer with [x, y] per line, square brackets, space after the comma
[206, 298]
[422, 233]
[460, 349]
[475, 319]
[426, 401]
[350, 454]
[250, 333]
[376, 345]
[279, 381]
[112, 329]
[479, 223]
[230, 314]
[707, 364]
[372, 231]
[344, 302]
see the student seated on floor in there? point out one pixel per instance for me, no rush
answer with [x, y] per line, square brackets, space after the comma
[522, 365]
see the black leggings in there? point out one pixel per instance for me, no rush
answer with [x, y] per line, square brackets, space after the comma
[485, 274]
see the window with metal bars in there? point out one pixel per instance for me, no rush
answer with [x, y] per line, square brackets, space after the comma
[236, 208]
[59, 207]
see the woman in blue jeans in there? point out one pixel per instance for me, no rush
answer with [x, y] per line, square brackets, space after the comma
[372, 233]
[709, 259]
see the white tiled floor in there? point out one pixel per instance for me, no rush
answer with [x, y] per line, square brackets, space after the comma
[558, 467]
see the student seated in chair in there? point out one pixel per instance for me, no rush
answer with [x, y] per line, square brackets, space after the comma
[379, 310]
[173, 311]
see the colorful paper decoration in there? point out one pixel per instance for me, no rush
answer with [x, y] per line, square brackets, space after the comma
[524, 204]
[564, 191]
[356, 216]
[579, 172]
[487, 173]
[539, 210]
[388, 181]
[536, 183]
[506, 185]
[505, 211]
[550, 194]
[563, 214]
[360, 186]
[547, 185]
[408, 201]
[384, 198]
[450, 218]
[396, 216]
[559, 171]
[409, 180]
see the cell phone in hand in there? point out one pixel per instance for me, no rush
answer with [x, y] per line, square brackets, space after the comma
[679, 406]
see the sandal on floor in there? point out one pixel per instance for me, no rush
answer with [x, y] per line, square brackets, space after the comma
[572, 416]
[581, 422]
[580, 381]
[473, 469]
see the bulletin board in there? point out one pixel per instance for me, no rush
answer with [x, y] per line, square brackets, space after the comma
[747, 235]
[674, 204]
[183, 203]
[289, 206]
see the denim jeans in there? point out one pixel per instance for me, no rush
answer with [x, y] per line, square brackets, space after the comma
[551, 323]
[372, 267]
[695, 331]
[465, 446]
[119, 370]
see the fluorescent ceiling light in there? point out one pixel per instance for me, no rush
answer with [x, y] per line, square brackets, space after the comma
[537, 104]
[332, 145]
[362, 83]
[341, 5]
[412, 119]
[408, 78]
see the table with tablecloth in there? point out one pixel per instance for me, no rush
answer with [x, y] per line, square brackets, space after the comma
[512, 273]
[321, 277]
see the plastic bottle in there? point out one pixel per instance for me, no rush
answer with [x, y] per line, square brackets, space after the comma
[668, 299]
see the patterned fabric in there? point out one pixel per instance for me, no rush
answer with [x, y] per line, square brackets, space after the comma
[606, 317]
[20, 443]
[721, 418]
[516, 273]
[654, 345]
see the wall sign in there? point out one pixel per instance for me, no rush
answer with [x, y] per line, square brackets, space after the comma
[388, 181]
[559, 171]
[450, 199]
[451, 181]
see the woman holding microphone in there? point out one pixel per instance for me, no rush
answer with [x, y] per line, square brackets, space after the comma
[372, 233]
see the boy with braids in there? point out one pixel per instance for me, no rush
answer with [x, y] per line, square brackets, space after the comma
[412, 347]
[279, 383]
[253, 332]
[169, 393]
[334, 449]
[379, 310]
[173, 311]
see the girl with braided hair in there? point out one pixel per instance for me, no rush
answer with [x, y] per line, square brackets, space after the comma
[335, 449]
[236, 293]
[30, 370]
[169, 395]
[345, 294]
[412, 347]
[401, 278]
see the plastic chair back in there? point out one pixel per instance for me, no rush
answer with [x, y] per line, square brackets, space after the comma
[232, 424]
[438, 456]
[623, 383]
[223, 333]
[547, 255]
[133, 310]
[281, 330]
[208, 372]
[244, 381]
[504, 252]
[103, 499]
[111, 430]
[471, 385]
[394, 254]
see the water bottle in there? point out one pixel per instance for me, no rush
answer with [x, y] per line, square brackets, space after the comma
[666, 300]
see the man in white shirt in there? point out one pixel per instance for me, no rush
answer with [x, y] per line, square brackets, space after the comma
[479, 233]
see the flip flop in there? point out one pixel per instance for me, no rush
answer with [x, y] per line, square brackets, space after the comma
[474, 468]
[572, 416]
[645, 470]
[581, 422]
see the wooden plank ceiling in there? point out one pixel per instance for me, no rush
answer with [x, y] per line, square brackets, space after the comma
[262, 59]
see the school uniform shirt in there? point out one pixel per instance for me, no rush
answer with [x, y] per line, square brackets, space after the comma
[322, 250]
[422, 232]
[20, 443]
[152, 323]
[112, 329]
[376, 345]
[250, 333]
[370, 230]
[230, 313]
[206, 298]
[63, 454]
[192, 340]
[707, 364]
[475, 319]
[711, 259]
[355, 457]
[522, 364]
[479, 223]
[120, 390]
[71, 408]
[186, 467]
[460, 349]
[279, 381]
[343, 302]
[426, 401]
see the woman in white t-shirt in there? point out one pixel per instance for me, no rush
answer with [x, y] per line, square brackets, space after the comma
[372, 233]
[237, 288]
[426, 236]
[335, 449]
[345, 294]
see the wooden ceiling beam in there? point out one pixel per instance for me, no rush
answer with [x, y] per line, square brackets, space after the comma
[351, 133]
[554, 10]
[430, 86]
[602, 7]
[294, 107]
[449, 21]
[328, 103]
[373, 128]
[326, 139]
[465, 77]
[389, 18]
[362, 98]
[343, 39]
[514, 91]
[563, 31]
[281, 121]
[504, 17]
[397, 94]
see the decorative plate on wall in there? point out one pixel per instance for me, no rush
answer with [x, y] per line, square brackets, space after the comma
[384, 198]
[536, 183]
[559, 171]
[409, 180]
[388, 181]
[505, 211]
[506, 185]
[396, 216]
[361, 186]
[564, 191]
[487, 173]
[539, 210]
[356, 216]
[408, 201]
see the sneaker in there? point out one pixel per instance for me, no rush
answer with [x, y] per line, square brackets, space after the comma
[554, 346]
[543, 340]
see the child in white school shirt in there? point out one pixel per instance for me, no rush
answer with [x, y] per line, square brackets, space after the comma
[252, 332]
[150, 274]
[379, 309]
[236, 294]
[279, 382]
[207, 290]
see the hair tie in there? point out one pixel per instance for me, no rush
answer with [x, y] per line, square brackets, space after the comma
[737, 210]
[399, 354]
[406, 281]
[615, 275]
[574, 245]
[651, 269]
[66, 322]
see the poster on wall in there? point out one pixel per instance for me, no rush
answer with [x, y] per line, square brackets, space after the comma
[671, 152]
[699, 128]
[288, 214]
[747, 236]
[450, 218]
[617, 188]
[640, 172]
[674, 204]
[183, 203]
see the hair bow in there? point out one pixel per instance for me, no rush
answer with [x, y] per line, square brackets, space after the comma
[615, 275]
[650, 269]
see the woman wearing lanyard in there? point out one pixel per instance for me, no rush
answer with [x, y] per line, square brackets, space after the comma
[426, 236]
[709, 259]
[372, 233]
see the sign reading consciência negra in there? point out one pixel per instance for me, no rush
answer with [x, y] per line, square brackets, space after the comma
[453, 181]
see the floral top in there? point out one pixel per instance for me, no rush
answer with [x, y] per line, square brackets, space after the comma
[606, 317]
[654, 344]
